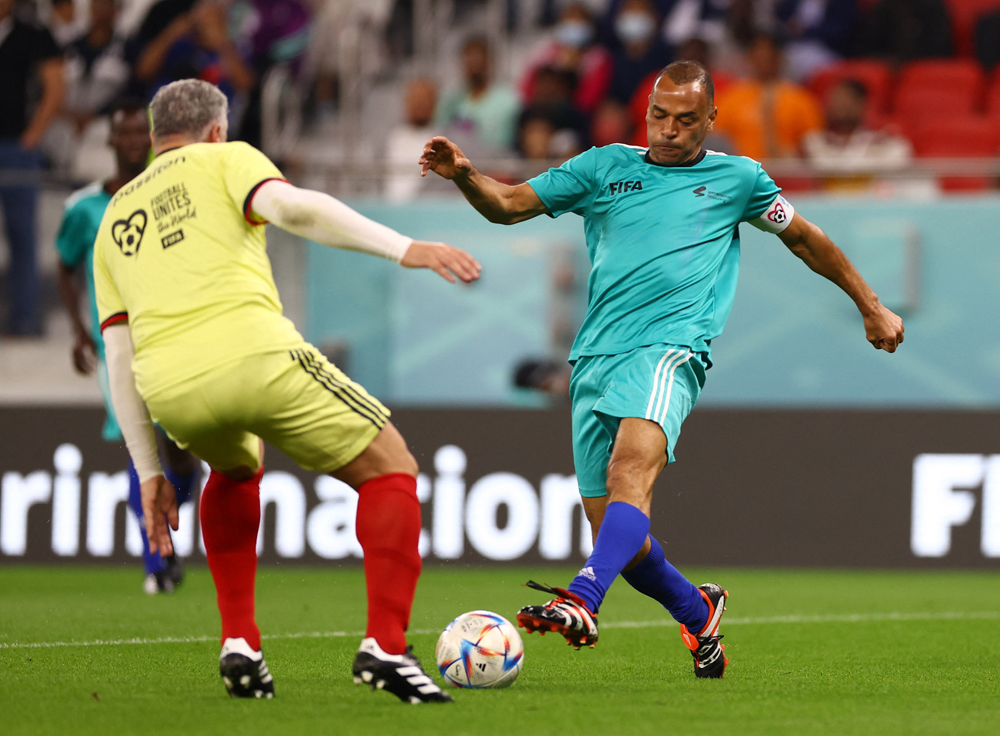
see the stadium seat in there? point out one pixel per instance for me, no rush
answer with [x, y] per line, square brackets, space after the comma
[876, 76]
[968, 137]
[993, 96]
[964, 14]
[940, 87]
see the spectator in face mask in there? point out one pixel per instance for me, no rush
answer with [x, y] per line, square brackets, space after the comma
[642, 50]
[572, 48]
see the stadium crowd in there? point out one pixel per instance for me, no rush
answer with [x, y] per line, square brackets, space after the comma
[849, 85]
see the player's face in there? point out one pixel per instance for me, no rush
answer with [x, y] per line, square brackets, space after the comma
[130, 137]
[677, 120]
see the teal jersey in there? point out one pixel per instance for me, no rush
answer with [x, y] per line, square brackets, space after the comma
[82, 215]
[663, 240]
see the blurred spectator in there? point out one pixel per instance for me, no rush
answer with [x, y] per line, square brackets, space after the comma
[271, 32]
[641, 48]
[550, 127]
[484, 112]
[847, 144]
[572, 48]
[988, 40]
[196, 45]
[406, 141]
[155, 22]
[816, 32]
[611, 124]
[767, 116]
[25, 50]
[685, 19]
[903, 30]
[694, 49]
[65, 23]
[96, 70]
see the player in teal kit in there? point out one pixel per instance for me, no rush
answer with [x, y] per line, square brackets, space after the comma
[82, 216]
[661, 225]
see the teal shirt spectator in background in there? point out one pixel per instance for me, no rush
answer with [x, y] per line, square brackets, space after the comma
[492, 118]
[82, 216]
[664, 243]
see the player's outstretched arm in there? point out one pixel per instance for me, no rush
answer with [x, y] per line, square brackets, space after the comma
[320, 217]
[883, 328]
[497, 202]
[159, 500]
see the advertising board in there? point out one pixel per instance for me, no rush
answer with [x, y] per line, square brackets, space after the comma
[750, 488]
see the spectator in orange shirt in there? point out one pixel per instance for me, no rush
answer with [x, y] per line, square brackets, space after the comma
[767, 116]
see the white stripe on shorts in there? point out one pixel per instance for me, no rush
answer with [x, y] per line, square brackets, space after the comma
[668, 373]
[656, 383]
[670, 387]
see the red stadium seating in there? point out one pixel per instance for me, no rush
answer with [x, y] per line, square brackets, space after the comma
[876, 76]
[940, 87]
[964, 14]
[993, 96]
[968, 137]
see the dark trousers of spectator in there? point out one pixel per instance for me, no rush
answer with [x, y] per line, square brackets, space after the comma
[20, 175]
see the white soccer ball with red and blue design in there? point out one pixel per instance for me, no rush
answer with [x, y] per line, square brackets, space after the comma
[480, 649]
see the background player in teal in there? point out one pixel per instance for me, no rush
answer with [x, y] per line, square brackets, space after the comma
[662, 231]
[75, 242]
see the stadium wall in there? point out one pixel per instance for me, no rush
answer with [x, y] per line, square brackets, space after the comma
[793, 339]
[818, 488]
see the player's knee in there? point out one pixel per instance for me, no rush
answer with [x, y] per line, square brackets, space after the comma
[408, 463]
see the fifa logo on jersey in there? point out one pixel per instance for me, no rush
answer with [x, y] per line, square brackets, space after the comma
[624, 186]
[128, 233]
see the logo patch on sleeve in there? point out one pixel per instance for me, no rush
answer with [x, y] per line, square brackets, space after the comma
[776, 213]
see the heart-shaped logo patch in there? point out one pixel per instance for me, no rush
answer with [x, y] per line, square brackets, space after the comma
[128, 233]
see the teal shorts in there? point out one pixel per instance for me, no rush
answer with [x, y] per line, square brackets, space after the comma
[660, 383]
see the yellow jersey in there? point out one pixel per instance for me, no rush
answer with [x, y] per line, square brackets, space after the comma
[180, 257]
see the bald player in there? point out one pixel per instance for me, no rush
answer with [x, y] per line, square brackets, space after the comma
[196, 342]
[661, 226]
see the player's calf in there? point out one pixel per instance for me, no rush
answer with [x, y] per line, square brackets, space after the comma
[566, 614]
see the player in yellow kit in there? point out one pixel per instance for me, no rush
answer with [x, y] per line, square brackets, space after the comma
[196, 341]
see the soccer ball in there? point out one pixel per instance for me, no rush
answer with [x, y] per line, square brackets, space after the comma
[480, 649]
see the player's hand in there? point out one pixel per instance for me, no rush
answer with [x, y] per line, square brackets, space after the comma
[884, 329]
[84, 354]
[444, 158]
[443, 260]
[159, 506]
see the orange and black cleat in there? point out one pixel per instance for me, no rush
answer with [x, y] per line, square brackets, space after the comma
[566, 614]
[709, 655]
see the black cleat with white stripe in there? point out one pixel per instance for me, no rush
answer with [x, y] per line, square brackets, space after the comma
[399, 674]
[566, 614]
[244, 671]
[709, 654]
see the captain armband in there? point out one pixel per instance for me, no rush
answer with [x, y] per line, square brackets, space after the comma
[776, 217]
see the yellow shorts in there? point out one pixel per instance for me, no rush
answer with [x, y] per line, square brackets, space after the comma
[296, 400]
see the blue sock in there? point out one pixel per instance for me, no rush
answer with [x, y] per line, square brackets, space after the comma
[622, 534]
[152, 562]
[661, 581]
[183, 484]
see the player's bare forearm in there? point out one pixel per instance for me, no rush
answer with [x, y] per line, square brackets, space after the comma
[84, 349]
[492, 199]
[497, 202]
[883, 328]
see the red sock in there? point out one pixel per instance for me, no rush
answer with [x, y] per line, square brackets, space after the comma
[230, 515]
[388, 528]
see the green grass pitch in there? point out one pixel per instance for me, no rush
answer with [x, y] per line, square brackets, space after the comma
[811, 653]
